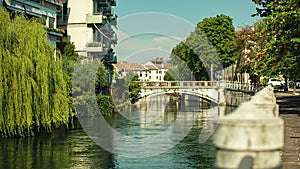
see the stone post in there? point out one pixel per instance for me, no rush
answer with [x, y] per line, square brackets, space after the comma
[251, 136]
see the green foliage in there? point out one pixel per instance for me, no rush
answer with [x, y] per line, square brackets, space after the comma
[101, 79]
[106, 105]
[33, 91]
[69, 58]
[88, 83]
[248, 41]
[189, 65]
[280, 52]
[67, 49]
[221, 33]
[134, 88]
[168, 76]
[212, 43]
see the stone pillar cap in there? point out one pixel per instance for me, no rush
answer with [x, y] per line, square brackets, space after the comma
[260, 107]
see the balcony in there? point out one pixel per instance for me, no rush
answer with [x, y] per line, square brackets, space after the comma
[55, 31]
[112, 2]
[52, 4]
[62, 20]
[108, 12]
[114, 39]
[106, 29]
[113, 20]
[94, 47]
[94, 18]
[35, 8]
[55, 2]
[103, 3]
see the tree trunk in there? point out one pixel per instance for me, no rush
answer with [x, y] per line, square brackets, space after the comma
[286, 85]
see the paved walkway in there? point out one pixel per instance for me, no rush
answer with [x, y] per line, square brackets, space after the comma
[289, 109]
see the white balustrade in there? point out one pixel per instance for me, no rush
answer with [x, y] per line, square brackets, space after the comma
[252, 134]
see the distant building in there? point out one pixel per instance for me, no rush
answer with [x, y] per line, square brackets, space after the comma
[122, 68]
[147, 72]
[158, 68]
[46, 10]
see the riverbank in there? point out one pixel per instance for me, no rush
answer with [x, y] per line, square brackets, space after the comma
[289, 109]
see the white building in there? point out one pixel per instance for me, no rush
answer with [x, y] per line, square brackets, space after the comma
[147, 72]
[88, 24]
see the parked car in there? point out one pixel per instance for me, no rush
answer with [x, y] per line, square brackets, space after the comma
[276, 83]
[297, 83]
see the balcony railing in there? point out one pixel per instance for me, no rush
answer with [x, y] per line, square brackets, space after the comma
[94, 47]
[114, 39]
[113, 20]
[102, 3]
[94, 18]
[109, 12]
[112, 2]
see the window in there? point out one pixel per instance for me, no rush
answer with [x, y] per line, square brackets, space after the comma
[65, 9]
[51, 22]
[43, 20]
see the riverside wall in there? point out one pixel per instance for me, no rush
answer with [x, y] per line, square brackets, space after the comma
[236, 97]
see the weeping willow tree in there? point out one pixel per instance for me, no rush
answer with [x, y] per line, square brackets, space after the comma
[33, 93]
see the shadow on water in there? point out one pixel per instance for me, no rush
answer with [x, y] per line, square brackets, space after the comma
[76, 150]
[72, 150]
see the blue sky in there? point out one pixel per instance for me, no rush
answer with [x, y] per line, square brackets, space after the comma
[192, 10]
[151, 28]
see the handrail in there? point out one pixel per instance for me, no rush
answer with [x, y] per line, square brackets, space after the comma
[197, 84]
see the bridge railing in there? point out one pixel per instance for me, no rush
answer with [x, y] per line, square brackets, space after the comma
[243, 86]
[179, 84]
[199, 84]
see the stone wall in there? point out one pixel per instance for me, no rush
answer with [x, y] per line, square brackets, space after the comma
[236, 97]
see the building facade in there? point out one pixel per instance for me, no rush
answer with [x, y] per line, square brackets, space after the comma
[150, 71]
[45, 10]
[88, 24]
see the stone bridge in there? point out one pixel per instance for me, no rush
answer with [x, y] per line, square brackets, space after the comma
[212, 91]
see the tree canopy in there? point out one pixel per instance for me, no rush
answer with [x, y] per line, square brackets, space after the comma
[33, 91]
[168, 77]
[221, 33]
[280, 54]
[212, 43]
[134, 88]
[248, 40]
[188, 64]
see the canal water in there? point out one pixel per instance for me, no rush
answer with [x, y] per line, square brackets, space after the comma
[75, 149]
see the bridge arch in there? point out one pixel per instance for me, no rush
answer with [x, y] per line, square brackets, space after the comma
[186, 92]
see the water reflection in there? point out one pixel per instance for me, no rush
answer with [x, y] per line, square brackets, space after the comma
[73, 150]
[77, 150]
